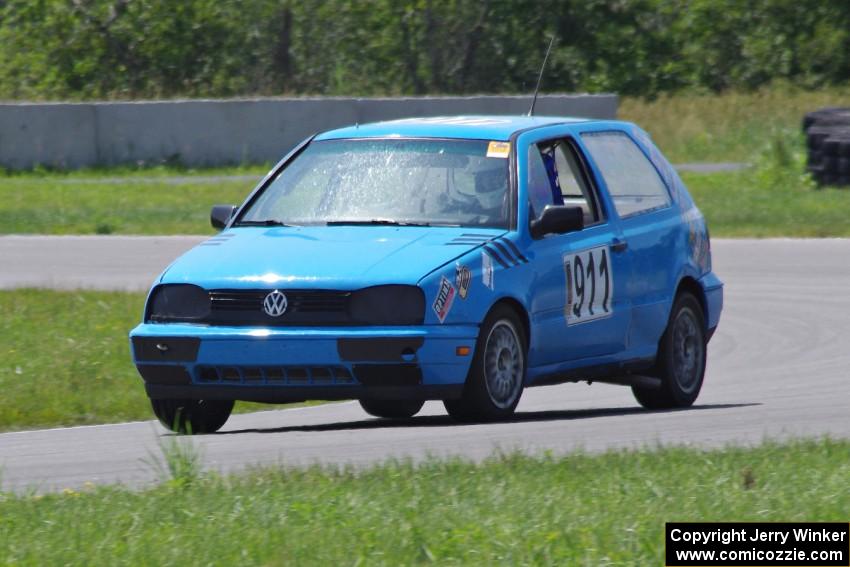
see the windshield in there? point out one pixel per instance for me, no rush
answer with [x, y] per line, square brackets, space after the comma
[405, 182]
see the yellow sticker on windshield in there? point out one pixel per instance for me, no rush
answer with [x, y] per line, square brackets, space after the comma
[499, 149]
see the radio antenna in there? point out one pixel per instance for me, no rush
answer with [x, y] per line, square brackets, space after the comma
[540, 77]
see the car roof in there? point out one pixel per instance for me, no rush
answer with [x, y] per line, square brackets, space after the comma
[465, 127]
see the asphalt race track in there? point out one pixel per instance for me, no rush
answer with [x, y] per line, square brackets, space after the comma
[779, 367]
[124, 263]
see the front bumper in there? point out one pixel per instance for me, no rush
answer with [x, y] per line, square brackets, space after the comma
[280, 365]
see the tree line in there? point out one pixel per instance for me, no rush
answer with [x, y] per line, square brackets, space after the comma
[124, 49]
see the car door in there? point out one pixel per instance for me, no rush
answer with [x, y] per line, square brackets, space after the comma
[580, 306]
[650, 228]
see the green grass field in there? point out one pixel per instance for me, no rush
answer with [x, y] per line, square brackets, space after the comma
[774, 198]
[743, 204]
[119, 202]
[65, 359]
[731, 127]
[606, 509]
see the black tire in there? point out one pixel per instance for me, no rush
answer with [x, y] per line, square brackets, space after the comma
[833, 116]
[830, 115]
[830, 164]
[837, 143]
[392, 409]
[192, 416]
[830, 147]
[497, 376]
[827, 133]
[680, 363]
[816, 135]
[814, 172]
[814, 158]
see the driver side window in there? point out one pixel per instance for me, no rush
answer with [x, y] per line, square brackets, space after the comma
[556, 177]
[540, 192]
[575, 190]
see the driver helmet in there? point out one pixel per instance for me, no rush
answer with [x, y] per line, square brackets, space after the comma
[490, 187]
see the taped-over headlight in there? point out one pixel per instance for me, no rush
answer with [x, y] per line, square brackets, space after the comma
[388, 305]
[178, 302]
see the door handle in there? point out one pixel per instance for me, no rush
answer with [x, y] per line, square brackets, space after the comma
[619, 245]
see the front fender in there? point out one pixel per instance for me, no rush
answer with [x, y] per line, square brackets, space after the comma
[463, 292]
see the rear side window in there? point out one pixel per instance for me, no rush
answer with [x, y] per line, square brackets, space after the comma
[632, 180]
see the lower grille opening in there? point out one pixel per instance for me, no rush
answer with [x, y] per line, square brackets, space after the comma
[274, 375]
[253, 375]
[321, 375]
[231, 374]
[298, 375]
[341, 374]
[164, 374]
[388, 374]
[207, 374]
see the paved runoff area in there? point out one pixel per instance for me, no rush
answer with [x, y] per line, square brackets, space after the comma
[778, 368]
[122, 263]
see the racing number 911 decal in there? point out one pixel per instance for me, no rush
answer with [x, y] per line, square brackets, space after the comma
[589, 283]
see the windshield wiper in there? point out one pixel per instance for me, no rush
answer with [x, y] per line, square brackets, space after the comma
[265, 222]
[375, 222]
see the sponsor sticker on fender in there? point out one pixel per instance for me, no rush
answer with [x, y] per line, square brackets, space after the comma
[487, 271]
[445, 298]
[462, 278]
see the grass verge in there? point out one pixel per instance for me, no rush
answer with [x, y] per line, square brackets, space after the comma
[157, 201]
[731, 127]
[771, 199]
[511, 510]
[65, 359]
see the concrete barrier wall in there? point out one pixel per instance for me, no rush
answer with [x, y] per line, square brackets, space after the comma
[222, 132]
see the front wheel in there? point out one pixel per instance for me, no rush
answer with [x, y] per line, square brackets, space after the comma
[392, 409]
[681, 358]
[495, 381]
[192, 416]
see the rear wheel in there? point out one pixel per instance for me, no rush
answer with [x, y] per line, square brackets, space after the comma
[681, 358]
[392, 409]
[495, 381]
[192, 416]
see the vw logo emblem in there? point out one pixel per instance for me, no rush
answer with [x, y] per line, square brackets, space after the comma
[274, 304]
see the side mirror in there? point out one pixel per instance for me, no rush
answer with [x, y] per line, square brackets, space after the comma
[221, 215]
[557, 220]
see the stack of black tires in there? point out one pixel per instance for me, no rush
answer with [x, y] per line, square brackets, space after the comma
[828, 143]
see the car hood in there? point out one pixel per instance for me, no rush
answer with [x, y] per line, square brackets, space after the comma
[322, 257]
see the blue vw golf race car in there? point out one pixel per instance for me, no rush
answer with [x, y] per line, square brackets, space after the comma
[459, 259]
